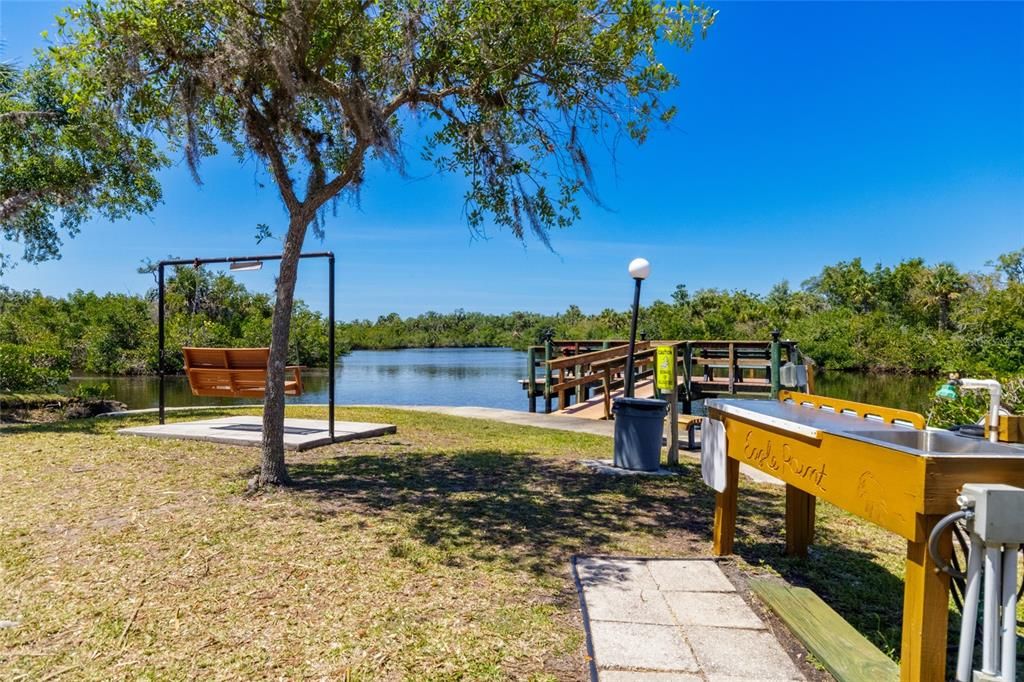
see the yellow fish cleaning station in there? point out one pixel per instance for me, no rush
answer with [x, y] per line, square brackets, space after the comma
[882, 465]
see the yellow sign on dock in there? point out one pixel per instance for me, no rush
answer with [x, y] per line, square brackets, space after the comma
[665, 368]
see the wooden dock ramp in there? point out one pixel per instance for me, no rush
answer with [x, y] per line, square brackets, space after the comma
[594, 408]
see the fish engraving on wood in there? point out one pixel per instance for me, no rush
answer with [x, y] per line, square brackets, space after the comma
[873, 496]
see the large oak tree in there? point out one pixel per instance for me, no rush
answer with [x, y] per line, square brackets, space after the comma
[508, 93]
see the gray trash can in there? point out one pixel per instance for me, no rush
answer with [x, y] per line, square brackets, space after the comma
[639, 423]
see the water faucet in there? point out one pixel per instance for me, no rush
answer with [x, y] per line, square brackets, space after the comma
[995, 390]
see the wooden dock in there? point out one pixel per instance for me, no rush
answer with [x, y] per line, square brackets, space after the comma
[582, 377]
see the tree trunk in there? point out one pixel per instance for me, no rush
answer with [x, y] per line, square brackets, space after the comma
[943, 314]
[273, 470]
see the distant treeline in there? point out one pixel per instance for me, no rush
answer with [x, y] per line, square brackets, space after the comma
[908, 318]
[42, 338]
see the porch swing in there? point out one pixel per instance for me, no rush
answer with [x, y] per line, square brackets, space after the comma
[234, 372]
[239, 372]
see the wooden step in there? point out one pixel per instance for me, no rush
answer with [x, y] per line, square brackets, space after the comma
[844, 652]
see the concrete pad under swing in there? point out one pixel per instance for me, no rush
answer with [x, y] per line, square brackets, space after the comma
[299, 434]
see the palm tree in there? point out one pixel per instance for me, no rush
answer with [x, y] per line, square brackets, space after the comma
[942, 284]
[8, 73]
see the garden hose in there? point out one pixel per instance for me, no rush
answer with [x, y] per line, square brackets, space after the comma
[933, 543]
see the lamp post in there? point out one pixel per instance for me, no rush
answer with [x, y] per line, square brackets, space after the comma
[639, 269]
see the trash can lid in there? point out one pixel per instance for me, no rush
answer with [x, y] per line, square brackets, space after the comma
[640, 403]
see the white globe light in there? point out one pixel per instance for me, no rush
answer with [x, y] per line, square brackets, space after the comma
[639, 268]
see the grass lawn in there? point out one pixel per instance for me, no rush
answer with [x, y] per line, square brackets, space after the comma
[441, 552]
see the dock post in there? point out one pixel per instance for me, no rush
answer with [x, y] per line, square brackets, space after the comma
[733, 368]
[531, 378]
[547, 376]
[776, 362]
[579, 387]
[687, 379]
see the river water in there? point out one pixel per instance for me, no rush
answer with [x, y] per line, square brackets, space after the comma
[487, 377]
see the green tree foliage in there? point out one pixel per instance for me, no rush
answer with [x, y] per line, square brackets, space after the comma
[32, 368]
[117, 334]
[845, 285]
[939, 287]
[989, 319]
[886, 319]
[62, 165]
[970, 407]
[113, 333]
[1011, 266]
[108, 334]
[509, 95]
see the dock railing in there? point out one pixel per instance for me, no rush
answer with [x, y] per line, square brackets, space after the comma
[542, 377]
[569, 372]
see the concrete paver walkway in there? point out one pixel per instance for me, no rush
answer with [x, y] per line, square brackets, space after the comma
[653, 620]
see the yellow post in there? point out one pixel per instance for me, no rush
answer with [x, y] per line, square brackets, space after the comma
[800, 506]
[665, 380]
[925, 609]
[725, 509]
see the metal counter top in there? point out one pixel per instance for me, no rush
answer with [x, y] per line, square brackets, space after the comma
[811, 422]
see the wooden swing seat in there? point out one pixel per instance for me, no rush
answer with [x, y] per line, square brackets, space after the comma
[234, 372]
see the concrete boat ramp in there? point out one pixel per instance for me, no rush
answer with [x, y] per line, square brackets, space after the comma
[299, 434]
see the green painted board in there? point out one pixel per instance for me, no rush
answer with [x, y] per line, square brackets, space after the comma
[844, 652]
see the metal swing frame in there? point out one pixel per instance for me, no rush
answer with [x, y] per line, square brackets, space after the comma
[329, 255]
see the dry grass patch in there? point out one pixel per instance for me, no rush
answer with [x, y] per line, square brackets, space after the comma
[441, 552]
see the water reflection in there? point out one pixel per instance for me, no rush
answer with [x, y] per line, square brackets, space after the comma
[487, 377]
[435, 376]
[907, 392]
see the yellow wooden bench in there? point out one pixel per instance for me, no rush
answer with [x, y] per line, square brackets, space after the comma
[234, 372]
[690, 423]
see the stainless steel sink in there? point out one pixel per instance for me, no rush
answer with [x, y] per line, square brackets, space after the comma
[936, 442]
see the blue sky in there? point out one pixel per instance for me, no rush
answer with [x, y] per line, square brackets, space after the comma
[807, 133]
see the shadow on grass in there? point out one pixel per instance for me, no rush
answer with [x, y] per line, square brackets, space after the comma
[530, 511]
[535, 512]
